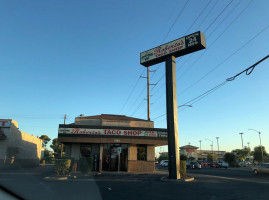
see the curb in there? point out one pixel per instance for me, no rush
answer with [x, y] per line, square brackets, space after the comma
[166, 179]
[55, 178]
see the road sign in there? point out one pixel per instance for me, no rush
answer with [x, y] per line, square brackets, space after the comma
[178, 47]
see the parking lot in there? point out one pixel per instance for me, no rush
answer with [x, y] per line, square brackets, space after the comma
[209, 183]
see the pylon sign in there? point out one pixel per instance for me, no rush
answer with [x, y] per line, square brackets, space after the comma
[168, 53]
[178, 47]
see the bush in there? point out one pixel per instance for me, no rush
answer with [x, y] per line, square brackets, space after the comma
[85, 164]
[182, 168]
[183, 157]
[62, 166]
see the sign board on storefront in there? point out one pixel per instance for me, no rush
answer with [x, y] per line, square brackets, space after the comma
[179, 47]
[111, 132]
[4, 123]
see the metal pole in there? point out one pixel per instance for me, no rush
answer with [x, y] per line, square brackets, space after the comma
[218, 146]
[260, 142]
[200, 148]
[261, 146]
[62, 146]
[242, 139]
[148, 93]
[172, 120]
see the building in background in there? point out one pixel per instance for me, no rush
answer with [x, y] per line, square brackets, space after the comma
[18, 148]
[189, 150]
[202, 154]
[115, 142]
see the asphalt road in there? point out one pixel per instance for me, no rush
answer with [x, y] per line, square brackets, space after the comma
[209, 184]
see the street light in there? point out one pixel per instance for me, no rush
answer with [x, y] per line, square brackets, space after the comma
[218, 145]
[260, 141]
[184, 105]
[242, 139]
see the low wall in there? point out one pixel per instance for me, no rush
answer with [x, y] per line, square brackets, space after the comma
[141, 166]
[16, 163]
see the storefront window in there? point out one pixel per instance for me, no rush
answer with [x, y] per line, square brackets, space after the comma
[85, 151]
[141, 152]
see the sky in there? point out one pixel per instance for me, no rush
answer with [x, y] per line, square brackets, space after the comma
[83, 57]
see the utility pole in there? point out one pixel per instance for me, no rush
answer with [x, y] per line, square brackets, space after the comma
[218, 146]
[200, 148]
[242, 139]
[62, 146]
[148, 95]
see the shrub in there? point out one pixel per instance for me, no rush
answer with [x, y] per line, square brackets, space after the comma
[183, 157]
[62, 166]
[182, 168]
[85, 164]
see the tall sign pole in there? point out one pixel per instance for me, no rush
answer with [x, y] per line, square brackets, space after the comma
[168, 52]
[172, 122]
[148, 94]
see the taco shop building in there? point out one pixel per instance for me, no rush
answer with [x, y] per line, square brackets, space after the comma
[115, 142]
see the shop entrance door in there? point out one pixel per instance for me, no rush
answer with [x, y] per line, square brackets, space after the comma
[115, 157]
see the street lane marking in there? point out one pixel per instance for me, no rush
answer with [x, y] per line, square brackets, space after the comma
[236, 179]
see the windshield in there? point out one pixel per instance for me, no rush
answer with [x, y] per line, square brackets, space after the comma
[113, 99]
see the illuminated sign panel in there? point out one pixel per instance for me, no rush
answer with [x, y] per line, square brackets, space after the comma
[179, 47]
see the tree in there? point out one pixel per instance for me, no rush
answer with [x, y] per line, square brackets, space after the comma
[45, 139]
[230, 158]
[56, 146]
[241, 154]
[211, 157]
[257, 154]
[163, 156]
[191, 159]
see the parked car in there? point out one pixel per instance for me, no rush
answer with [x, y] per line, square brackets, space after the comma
[261, 168]
[193, 165]
[164, 163]
[223, 165]
[244, 163]
[213, 165]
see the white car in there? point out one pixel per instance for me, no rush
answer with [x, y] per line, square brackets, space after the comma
[223, 165]
[164, 163]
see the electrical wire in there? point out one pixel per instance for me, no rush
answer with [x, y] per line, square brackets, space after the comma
[248, 71]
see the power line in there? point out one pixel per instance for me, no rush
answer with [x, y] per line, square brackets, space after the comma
[131, 91]
[175, 21]
[210, 46]
[217, 66]
[248, 71]
[219, 15]
[161, 43]
[198, 17]
[208, 14]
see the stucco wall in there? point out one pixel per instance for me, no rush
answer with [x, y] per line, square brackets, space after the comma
[19, 147]
[135, 165]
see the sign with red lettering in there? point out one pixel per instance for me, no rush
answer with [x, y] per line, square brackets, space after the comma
[189, 150]
[179, 47]
[111, 132]
[4, 123]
